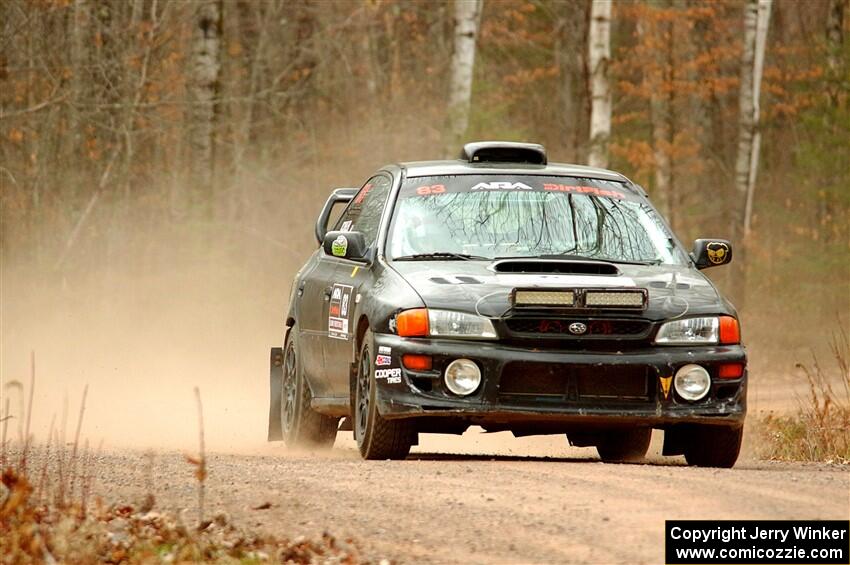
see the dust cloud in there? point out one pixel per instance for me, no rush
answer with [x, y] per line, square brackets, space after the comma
[141, 345]
[160, 293]
[145, 312]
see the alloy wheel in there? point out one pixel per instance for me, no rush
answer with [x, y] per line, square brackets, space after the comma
[363, 393]
[289, 388]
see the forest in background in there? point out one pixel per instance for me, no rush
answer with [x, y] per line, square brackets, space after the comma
[190, 144]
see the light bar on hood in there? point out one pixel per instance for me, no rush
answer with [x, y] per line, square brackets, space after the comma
[544, 298]
[614, 299]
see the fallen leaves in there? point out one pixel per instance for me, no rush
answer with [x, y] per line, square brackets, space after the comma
[122, 533]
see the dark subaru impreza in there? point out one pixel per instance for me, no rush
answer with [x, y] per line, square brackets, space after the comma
[503, 291]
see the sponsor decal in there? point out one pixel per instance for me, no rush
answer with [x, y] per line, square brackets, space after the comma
[385, 349]
[717, 252]
[383, 360]
[363, 192]
[583, 190]
[338, 311]
[665, 386]
[339, 246]
[393, 376]
[501, 185]
[432, 189]
[346, 226]
[338, 328]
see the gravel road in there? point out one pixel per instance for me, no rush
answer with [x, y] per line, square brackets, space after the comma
[490, 507]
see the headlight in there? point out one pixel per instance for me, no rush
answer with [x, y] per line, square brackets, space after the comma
[688, 331]
[462, 376]
[421, 322]
[692, 382]
[445, 323]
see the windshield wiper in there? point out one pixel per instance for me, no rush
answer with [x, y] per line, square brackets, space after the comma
[440, 256]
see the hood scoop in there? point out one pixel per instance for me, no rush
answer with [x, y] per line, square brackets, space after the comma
[555, 266]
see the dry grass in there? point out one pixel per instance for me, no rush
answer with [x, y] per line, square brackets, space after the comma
[48, 515]
[820, 430]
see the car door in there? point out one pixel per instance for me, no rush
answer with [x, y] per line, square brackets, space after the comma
[363, 215]
[313, 320]
[312, 313]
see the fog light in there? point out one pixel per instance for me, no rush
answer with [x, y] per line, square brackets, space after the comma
[462, 376]
[692, 382]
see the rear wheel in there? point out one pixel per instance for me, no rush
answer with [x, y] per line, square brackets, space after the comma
[301, 425]
[376, 437]
[624, 445]
[713, 446]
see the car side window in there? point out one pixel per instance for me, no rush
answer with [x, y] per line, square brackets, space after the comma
[364, 212]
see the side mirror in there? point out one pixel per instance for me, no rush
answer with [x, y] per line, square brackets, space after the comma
[345, 244]
[711, 253]
[343, 195]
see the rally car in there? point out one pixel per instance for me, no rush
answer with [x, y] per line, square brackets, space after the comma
[502, 291]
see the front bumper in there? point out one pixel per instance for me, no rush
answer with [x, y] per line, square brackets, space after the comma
[500, 404]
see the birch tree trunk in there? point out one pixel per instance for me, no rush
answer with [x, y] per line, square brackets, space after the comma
[204, 90]
[599, 48]
[756, 19]
[466, 19]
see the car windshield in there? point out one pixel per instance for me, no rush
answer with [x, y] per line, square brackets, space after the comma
[496, 216]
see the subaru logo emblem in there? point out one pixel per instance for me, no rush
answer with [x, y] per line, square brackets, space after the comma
[577, 328]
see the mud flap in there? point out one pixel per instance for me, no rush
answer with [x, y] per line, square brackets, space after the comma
[275, 384]
[675, 439]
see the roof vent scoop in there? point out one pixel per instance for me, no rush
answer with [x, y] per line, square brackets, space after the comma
[503, 152]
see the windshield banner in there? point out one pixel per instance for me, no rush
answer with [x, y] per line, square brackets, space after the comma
[435, 186]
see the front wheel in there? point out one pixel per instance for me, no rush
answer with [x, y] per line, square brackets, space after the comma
[301, 425]
[713, 446]
[624, 445]
[376, 437]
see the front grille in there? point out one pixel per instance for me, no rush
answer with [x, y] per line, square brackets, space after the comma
[598, 328]
[522, 380]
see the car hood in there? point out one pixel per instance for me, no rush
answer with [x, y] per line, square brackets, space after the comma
[474, 286]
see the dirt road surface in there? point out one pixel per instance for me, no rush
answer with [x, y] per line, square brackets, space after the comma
[473, 500]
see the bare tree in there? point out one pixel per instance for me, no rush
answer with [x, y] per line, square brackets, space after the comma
[658, 76]
[599, 48]
[835, 43]
[756, 19]
[204, 89]
[571, 59]
[466, 19]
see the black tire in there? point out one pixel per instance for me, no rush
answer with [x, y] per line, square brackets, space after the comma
[624, 445]
[302, 427]
[376, 437]
[713, 446]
